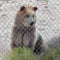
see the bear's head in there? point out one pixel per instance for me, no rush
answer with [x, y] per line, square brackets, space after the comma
[27, 15]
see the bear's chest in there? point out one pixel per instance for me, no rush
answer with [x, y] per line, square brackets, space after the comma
[28, 37]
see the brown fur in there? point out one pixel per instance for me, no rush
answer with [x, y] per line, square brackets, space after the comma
[23, 33]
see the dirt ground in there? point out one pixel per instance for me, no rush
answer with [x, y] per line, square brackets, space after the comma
[48, 19]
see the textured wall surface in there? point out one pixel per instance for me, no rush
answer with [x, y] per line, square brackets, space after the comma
[48, 19]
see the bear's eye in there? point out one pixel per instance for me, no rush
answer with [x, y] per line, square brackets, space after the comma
[27, 16]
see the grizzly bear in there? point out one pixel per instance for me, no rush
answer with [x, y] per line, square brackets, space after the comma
[24, 30]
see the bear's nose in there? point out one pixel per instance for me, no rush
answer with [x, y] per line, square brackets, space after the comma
[32, 23]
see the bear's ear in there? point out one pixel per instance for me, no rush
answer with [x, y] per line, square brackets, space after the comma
[22, 8]
[35, 8]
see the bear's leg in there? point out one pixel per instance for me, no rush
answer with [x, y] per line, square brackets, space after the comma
[30, 44]
[13, 45]
[38, 46]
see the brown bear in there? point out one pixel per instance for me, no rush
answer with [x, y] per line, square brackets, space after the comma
[24, 30]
